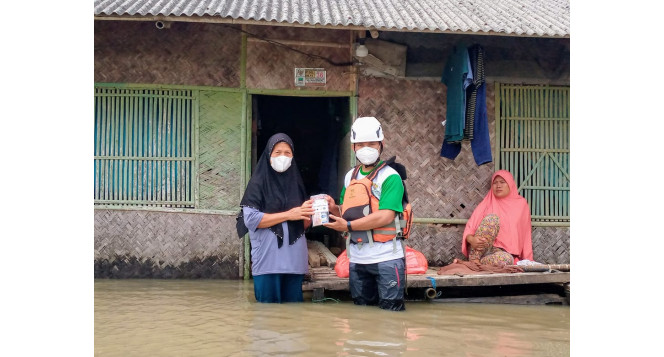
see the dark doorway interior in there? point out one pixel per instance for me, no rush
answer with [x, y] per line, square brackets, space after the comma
[318, 127]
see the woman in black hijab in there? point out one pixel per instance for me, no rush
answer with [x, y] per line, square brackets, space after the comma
[275, 213]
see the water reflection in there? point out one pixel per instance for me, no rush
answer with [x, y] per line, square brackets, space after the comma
[213, 317]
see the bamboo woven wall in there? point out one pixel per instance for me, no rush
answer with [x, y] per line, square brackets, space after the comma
[147, 244]
[220, 166]
[271, 66]
[184, 54]
[442, 243]
[439, 187]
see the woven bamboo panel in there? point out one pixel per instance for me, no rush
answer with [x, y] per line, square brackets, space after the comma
[271, 66]
[551, 245]
[145, 244]
[442, 243]
[185, 54]
[300, 34]
[219, 145]
[437, 187]
[439, 244]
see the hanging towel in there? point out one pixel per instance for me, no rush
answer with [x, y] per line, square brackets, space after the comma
[476, 127]
[457, 77]
[481, 144]
[476, 55]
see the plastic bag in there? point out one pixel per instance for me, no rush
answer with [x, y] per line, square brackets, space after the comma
[342, 265]
[416, 263]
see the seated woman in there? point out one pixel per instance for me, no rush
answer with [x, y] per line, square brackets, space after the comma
[499, 231]
[275, 213]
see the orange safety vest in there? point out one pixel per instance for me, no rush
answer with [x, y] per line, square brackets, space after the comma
[359, 202]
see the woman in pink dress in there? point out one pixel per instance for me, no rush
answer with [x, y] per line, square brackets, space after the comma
[499, 230]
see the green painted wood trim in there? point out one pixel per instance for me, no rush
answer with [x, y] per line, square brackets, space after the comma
[146, 202]
[512, 118]
[246, 173]
[532, 125]
[439, 221]
[243, 60]
[562, 87]
[353, 115]
[248, 118]
[164, 86]
[496, 119]
[276, 92]
[464, 221]
[195, 139]
[141, 95]
[534, 150]
[167, 209]
[243, 147]
[145, 158]
[550, 224]
[300, 93]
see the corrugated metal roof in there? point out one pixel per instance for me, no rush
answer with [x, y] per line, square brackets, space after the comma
[509, 17]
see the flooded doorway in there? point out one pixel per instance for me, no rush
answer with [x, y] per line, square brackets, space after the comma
[319, 128]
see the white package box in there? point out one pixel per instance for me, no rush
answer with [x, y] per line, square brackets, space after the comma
[321, 210]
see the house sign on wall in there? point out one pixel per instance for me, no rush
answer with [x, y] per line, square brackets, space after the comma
[309, 77]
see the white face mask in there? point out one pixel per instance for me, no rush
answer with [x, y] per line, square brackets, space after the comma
[367, 155]
[280, 163]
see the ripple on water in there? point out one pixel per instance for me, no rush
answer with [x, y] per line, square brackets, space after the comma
[220, 317]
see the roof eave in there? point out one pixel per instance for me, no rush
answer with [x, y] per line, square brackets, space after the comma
[239, 21]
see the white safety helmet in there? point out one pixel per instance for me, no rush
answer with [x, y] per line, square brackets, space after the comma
[366, 129]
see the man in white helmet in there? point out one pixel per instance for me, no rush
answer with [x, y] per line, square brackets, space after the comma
[370, 200]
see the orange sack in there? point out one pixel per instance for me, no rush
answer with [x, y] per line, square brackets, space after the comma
[416, 263]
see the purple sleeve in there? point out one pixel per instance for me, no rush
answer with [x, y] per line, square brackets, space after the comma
[252, 218]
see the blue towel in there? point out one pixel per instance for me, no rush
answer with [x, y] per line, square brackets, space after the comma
[480, 144]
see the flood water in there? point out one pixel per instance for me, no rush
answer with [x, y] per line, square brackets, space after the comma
[221, 318]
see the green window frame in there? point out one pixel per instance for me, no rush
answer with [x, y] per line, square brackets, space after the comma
[533, 131]
[144, 147]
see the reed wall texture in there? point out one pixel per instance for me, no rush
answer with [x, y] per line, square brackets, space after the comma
[184, 54]
[271, 66]
[411, 112]
[149, 244]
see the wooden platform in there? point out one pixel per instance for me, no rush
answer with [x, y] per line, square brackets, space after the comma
[325, 277]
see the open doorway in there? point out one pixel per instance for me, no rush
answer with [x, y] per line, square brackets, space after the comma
[319, 128]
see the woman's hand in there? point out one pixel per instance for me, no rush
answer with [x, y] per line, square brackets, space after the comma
[339, 224]
[304, 212]
[477, 243]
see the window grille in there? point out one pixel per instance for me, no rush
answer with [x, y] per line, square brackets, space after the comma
[533, 142]
[143, 149]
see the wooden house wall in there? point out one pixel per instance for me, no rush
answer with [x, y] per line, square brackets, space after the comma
[220, 167]
[138, 243]
[185, 54]
[135, 243]
[411, 112]
[150, 244]
[271, 66]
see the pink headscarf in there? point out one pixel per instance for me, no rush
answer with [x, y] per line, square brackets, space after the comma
[515, 234]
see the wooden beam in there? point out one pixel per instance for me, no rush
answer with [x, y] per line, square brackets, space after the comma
[325, 277]
[322, 249]
[301, 43]
[535, 299]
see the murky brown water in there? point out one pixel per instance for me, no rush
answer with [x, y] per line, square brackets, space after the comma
[221, 318]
